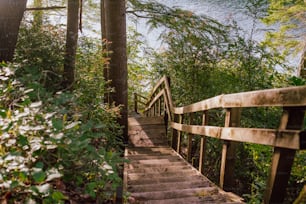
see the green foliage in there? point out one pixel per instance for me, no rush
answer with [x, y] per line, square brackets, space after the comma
[290, 14]
[203, 59]
[39, 147]
[27, 138]
[40, 54]
[138, 73]
[57, 144]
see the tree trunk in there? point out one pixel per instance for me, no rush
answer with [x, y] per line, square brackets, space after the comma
[115, 32]
[104, 43]
[302, 66]
[11, 13]
[38, 15]
[102, 12]
[71, 42]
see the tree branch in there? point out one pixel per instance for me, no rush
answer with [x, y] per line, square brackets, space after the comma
[45, 8]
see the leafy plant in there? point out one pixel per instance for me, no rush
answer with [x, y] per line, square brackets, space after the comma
[40, 52]
[58, 146]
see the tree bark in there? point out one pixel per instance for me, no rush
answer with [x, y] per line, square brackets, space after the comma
[11, 13]
[71, 42]
[115, 32]
[302, 65]
[38, 15]
[104, 43]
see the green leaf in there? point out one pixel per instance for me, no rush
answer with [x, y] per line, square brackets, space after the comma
[22, 140]
[39, 165]
[57, 124]
[39, 176]
[3, 113]
[22, 176]
[14, 184]
[58, 196]
[90, 189]
[9, 127]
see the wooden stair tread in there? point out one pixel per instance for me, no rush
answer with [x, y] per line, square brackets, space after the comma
[157, 174]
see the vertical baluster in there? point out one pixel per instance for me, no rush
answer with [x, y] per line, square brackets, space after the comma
[227, 179]
[203, 142]
[282, 160]
[160, 106]
[135, 103]
[179, 135]
[174, 133]
[189, 137]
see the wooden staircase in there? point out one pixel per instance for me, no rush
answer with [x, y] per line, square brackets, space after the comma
[157, 174]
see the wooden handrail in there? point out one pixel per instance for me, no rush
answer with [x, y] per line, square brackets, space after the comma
[282, 97]
[137, 100]
[285, 139]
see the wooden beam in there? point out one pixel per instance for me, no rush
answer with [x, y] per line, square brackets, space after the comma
[203, 143]
[273, 137]
[189, 138]
[232, 119]
[283, 97]
[282, 160]
[179, 136]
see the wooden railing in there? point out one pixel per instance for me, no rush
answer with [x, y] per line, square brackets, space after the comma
[139, 100]
[286, 139]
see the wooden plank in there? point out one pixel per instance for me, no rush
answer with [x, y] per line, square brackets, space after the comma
[227, 175]
[179, 136]
[202, 144]
[133, 121]
[282, 97]
[207, 104]
[282, 160]
[154, 100]
[189, 138]
[279, 138]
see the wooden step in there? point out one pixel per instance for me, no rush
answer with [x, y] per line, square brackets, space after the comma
[158, 174]
[181, 178]
[159, 169]
[180, 193]
[170, 185]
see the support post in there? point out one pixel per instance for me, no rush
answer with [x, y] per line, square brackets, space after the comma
[282, 160]
[227, 179]
[203, 142]
[174, 134]
[179, 136]
[189, 144]
[135, 103]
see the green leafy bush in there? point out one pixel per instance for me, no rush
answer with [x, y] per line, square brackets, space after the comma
[27, 137]
[42, 151]
[56, 145]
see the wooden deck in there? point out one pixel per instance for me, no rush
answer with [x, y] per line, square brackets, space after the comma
[157, 174]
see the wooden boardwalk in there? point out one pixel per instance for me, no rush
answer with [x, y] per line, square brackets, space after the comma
[157, 174]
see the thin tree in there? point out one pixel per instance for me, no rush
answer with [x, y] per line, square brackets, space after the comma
[291, 35]
[114, 25]
[71, 43]
[11, 13]
[38, 15]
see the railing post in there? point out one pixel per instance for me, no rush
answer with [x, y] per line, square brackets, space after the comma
[227, 179]
[160, 106]
[179, 135]
[174, 134]
[189, 144]
[135, 103]
[202, 144]
[282, 160]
